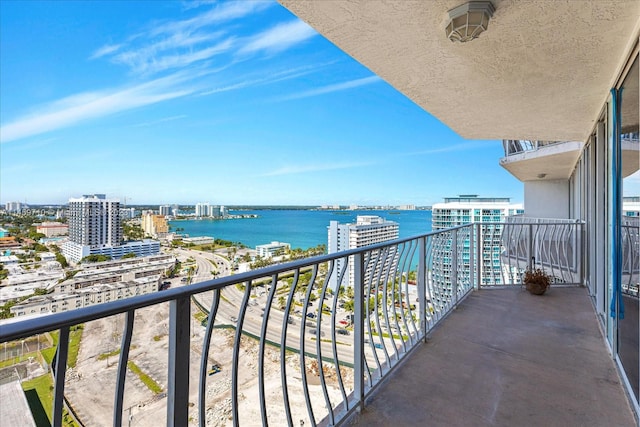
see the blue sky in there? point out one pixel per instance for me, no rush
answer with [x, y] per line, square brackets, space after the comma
[227, 103]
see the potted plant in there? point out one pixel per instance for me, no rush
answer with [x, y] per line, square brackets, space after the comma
[536, 281]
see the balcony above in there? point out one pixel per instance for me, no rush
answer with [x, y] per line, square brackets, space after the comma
[505, 357]
[540, 160]
[551, 160]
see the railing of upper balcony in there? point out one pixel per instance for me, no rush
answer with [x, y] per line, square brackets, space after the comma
[633, 137]
[517, 146]
[332, 328]
[630, 233]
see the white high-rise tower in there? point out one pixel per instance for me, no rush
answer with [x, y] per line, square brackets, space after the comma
[367, 230]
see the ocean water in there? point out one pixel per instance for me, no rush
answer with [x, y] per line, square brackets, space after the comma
[300, 228]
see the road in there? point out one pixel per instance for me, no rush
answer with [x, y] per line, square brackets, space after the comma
[231, 302]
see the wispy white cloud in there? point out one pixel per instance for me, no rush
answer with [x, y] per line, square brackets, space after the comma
[279, 38]
[332, 88]
[149, 59]
[91, 105]
[194, 4]
[272, 78]
[465, 146]
[156, 122]
[180, 43]
[105, 50]
[223, 12]
[300, 169]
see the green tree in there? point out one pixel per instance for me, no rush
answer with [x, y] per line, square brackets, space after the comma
[95, 258]
[62, 260]
[129, 255]
[348, 305]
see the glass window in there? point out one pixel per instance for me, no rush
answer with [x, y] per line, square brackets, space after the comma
[628, 333]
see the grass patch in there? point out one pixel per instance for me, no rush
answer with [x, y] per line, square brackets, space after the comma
[48, 354]
[39, 393]
[75, 336]
[386, 335]
[104, 356]
[157, 338]
[115, 352]
[146, 379]
[199, 316]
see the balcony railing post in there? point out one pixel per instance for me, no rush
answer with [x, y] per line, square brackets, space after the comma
[179, 349]
[472, 241]
[59, 376]
[358, 329]
[530, 259]
[454, 265]
[479, 243]
[580, 237]
[422, 285]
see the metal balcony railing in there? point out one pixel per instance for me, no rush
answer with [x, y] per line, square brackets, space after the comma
[630, 233]
[318, 352]
[553, 245]
[518, 146]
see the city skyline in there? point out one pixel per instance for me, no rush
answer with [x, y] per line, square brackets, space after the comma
[230, 103]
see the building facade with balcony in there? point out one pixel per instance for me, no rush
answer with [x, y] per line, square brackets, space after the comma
[471, 209]
[367, 230]
[567, 71]
[153, 225]
[272, 249]
[202, 210]
[567, 112]
[95, 229]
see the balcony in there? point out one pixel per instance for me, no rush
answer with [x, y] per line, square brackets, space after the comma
[553, 160]
[536, 160]
[432, 320]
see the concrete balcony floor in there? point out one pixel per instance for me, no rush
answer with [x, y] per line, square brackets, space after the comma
[507, 358]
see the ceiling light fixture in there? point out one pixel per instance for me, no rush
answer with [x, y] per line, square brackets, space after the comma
[469, 20]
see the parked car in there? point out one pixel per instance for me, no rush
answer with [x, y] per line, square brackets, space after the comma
[290, 320]
[343, 332]
[311, 315]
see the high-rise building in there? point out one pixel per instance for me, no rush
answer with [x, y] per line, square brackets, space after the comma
[164, 210]
[127, 213]
[466, 209]
[94, 220]
[13, 207]
[367, 230]
[202, 210]
[214, 211]
[95, 228]
[154, 225]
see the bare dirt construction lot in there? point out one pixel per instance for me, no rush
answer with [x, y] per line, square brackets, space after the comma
[90, 387]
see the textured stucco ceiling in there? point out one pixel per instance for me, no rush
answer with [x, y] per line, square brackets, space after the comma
[542, 70]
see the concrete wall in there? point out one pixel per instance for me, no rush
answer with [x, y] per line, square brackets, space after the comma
[546, 199]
